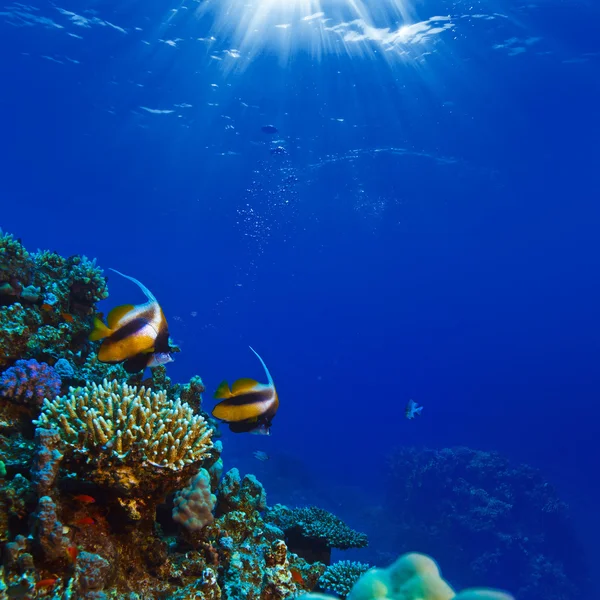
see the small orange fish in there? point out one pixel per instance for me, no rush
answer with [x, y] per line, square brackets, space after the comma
[47, 307]
[296, 576]
[84, 498]
[67, 317]
[72, 553]
[45, 583]
[85, 521]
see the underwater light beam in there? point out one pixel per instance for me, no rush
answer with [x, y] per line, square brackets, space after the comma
[282, 27]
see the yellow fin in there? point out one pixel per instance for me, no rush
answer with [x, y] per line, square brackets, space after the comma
[116, 315]
[242, 386]
[100, 330]
[223, 390]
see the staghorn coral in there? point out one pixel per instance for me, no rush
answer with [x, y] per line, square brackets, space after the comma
[489, 519]
[412, 577]
[127, 423]
[194, 504]
[29, 382]
[312, 532]
[341, 576]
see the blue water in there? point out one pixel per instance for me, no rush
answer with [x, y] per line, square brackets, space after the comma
[431, 231]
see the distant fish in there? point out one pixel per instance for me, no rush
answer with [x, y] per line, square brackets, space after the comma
[45, 583]
[85, 521]
[268, 129]
[249, 406]
[136, 335]
[72, 553]
[260, 455]
[84, 499]
[412, 409]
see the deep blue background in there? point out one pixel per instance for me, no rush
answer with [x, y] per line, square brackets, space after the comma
[474, 291]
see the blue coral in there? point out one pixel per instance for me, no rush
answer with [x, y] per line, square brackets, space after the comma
[29, 382]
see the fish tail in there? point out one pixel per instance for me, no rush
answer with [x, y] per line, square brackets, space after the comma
[263, 364]
[100, 330]
[223, 391]
[144, 289]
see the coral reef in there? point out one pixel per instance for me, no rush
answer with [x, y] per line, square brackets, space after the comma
[487, 519]
[112, 485]
[124, 437]
[312, 532]
[341, 576]
[46, 304]
[412, 577]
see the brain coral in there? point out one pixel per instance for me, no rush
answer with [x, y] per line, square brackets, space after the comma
[193, 504]
[412, 577]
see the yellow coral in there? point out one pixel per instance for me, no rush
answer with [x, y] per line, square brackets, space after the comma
[411, 577]
[124, 419]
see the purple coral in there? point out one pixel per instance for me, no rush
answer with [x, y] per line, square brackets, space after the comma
[29, 382]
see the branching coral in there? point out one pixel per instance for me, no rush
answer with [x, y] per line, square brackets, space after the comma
[486, 515]
[29, 382]
[128, 422]
[312, 532]
[341, 576]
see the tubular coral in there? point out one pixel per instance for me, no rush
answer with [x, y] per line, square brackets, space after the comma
[125, 420]
[29, 382]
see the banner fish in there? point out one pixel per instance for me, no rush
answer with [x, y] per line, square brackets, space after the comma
[249, 406]
[412, 410]
[135, 334]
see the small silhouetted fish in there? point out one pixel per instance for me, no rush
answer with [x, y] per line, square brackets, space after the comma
[278, 150]
[412, 409]
[268, 129]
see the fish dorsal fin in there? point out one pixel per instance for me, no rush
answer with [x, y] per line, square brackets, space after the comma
[262, 362]
[223, 390]
[243, 386]
[116, 315]
[142, 287]
[100, 330]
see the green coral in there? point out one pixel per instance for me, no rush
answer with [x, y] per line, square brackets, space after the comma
[341, 576]
[47, 303]
[15, 261]
[17, 326]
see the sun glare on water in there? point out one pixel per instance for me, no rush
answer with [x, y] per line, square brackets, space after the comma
[318, 27]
